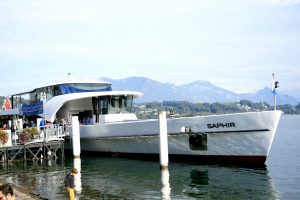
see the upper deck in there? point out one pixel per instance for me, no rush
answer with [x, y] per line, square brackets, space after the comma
[48, 91]
[95, 97]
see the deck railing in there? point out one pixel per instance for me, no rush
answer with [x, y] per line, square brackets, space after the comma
[53, 132]
[45, 134]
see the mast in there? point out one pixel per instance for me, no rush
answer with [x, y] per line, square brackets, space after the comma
[275, 84]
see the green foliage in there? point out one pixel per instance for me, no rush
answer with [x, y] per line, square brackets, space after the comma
[288, 109]
[184, 108]
[3, 137]
[28, 134]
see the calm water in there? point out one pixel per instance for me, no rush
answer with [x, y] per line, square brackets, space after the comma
[118, 178]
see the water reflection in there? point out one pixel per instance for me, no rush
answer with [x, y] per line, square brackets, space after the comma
[165, 190]
[116, 178]
[216, 182]
[38, 179]
[198, 178]
[77, 181]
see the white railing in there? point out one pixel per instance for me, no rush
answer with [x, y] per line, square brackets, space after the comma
[45, 134]
[48, 133]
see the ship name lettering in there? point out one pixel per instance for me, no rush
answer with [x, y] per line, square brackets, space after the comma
[221, 125]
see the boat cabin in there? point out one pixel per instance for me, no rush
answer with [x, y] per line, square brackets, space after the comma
[87, 100]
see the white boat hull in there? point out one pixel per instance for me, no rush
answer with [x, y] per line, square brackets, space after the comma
[242, 136]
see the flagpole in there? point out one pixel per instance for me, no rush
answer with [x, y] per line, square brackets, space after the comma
[274, 92]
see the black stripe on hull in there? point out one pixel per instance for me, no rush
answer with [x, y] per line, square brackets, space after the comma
[184, 133]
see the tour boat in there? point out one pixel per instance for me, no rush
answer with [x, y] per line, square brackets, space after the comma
[108, 125]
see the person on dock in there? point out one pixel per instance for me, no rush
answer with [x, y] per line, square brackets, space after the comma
[4, 127]
[6, 192]
[69, 183]
[42, 123]
[25, 125]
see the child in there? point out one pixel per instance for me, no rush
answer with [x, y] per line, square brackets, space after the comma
[69, 183]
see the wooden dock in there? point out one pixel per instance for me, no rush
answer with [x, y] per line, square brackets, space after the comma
[50, 147]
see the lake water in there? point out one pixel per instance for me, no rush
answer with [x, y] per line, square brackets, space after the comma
[120, 178]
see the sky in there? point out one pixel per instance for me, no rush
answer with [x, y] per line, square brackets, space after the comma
[234, 44]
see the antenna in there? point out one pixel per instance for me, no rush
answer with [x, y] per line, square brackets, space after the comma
[69, 76]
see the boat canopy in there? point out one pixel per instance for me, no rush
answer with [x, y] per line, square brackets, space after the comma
[54, 104]
[71, 86]
[9, 112]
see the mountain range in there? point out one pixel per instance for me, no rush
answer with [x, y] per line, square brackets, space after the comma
[197, 92]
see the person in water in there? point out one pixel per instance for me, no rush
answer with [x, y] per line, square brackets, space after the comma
[69, 183]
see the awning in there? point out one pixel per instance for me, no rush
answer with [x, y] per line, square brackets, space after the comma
[32, 109]
[9, 112]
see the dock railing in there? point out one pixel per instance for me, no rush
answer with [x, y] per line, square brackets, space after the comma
[45, 134]
[53, 133]
[31, 144]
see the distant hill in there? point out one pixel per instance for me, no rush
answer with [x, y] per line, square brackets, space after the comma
[199, 91]
[264, 95]
[294, 93]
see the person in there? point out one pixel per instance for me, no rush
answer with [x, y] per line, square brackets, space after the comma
[42, 122]
[62, 120]
[6, 192]
[4, 127]
[13, 128]
[55, 123]
[25, 125]
[69, 183]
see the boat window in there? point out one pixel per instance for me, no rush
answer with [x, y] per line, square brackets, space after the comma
[16, 101]
[43, 94]
[103, 104]
[128, 102]
[32, 97]
[114, 104]
[83, 87]
[25, 98]
[56, 90]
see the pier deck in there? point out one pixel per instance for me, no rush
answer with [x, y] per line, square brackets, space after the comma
[50, 147]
